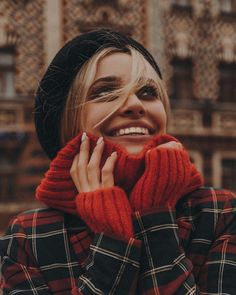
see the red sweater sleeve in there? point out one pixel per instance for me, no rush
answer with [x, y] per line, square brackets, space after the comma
[106, 210]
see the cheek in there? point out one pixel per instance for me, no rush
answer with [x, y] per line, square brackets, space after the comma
[93, 115]
[88, 117]
[159, 115]
[90, 120]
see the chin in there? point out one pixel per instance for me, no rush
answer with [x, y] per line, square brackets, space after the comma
[133, 150]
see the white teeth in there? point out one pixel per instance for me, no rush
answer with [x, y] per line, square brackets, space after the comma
[132, 130]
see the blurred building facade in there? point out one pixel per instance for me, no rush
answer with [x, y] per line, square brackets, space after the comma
[194, 43]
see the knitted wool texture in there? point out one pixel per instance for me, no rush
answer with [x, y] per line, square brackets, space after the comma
[168, 176]
[108, 210]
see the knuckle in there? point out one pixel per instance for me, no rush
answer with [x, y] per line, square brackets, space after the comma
[91, 167]
[71, 172]
[82, 147]
[106, 179]
[80, 165]
[97, 151]
[97, 147]
[106, 170]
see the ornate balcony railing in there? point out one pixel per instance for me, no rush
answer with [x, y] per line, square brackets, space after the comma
[16, 114]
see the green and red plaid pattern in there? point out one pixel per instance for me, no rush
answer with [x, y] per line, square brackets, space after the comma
[188, 251]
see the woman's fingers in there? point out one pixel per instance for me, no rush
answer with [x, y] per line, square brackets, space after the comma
[171, 144]
[93, 168]
[108, 170]
[73, 172]
[82, 163]
[86, 173]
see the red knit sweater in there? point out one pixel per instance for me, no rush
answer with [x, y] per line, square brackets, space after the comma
[109, 210]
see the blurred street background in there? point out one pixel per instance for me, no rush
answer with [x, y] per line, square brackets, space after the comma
[194, 42]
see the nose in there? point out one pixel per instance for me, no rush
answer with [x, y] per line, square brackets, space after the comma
[132, 107]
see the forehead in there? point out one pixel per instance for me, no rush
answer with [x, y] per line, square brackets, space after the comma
[124, 66]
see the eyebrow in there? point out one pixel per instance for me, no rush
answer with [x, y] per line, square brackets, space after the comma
[147, 81]
[107, 79]
[118, 80]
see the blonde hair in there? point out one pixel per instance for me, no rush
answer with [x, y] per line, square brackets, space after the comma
[72, 121]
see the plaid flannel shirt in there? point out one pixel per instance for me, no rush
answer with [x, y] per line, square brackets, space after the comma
[189, 251]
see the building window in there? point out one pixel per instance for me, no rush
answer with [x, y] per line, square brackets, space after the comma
[182, 3]
[182, 79]
[7, 72]
[224, 167]
[228, 6]
[228, 174]
[197, 159]
[6, 186]
[227, 82]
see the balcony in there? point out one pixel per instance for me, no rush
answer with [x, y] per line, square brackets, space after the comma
[16, 114]
[203, 118]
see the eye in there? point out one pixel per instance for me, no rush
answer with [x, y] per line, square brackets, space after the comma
[102, 91]
[148, 92]
[97, 92]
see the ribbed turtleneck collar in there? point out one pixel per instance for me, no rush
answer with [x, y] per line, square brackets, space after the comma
[57, 189]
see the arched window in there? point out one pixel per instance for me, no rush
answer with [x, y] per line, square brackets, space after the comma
[182, 3]
[227, 82]
[228, 6]
[7, 71]
[228, 173]
[182, 79]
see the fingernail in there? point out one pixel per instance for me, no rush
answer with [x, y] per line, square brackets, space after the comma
[100, 140]
[83, 136]
[114, 154]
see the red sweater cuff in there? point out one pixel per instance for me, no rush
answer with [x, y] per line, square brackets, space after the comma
[106, 210]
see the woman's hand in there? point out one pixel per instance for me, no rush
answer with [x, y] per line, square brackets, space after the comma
[103, 206]
[86, 172]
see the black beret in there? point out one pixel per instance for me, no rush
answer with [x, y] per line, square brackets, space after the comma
[54, 87]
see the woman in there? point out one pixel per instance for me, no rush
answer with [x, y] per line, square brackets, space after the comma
[127, 213]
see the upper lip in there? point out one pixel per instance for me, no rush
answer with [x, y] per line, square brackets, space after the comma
[112, 130]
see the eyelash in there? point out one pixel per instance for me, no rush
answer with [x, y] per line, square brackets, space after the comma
[152, 92]
[101, 91]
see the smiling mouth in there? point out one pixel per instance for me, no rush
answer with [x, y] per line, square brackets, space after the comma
[130, 131]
